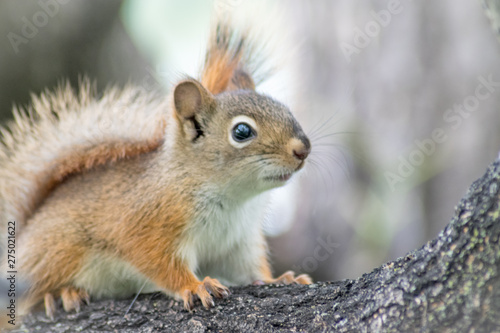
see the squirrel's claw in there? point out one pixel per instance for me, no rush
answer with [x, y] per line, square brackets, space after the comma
[187, 297]
[72, 298]
[50, 305]
[203, 290]
[216, 288]
[288, 278]
[303, 279]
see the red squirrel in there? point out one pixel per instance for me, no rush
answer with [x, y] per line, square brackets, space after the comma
[135, 190]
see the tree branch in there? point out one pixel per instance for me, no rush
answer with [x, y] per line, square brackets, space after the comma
[452, 282]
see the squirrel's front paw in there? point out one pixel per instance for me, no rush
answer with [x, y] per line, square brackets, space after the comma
[288, 278]
[203, 290]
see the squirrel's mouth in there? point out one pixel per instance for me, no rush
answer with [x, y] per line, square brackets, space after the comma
[281, 178]
[284, 176]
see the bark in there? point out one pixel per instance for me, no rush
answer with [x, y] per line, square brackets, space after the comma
[451, 284]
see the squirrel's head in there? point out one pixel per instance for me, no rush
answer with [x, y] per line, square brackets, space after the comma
[239, 138]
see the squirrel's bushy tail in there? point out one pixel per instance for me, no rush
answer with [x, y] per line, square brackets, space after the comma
[66, 132]
[232, 60]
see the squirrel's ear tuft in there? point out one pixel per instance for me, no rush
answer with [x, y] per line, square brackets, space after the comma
[191, 97]
[228, 61]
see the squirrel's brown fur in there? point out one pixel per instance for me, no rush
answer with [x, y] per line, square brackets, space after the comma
[134, 190]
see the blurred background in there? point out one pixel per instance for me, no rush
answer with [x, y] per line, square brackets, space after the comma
[399, 98]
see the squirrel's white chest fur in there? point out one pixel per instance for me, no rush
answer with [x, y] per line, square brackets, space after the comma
[223, 242]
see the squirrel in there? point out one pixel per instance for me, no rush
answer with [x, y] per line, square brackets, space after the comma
[135, 192]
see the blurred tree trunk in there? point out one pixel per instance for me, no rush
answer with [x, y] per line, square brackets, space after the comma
[79, 38]
[451, 284]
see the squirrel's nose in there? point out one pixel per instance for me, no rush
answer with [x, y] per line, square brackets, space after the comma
[301, 154]
[301, 148]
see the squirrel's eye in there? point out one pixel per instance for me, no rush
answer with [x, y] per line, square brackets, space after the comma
[242, 132]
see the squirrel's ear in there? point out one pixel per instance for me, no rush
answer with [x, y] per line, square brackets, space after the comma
[190, 99]
[241, 80]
